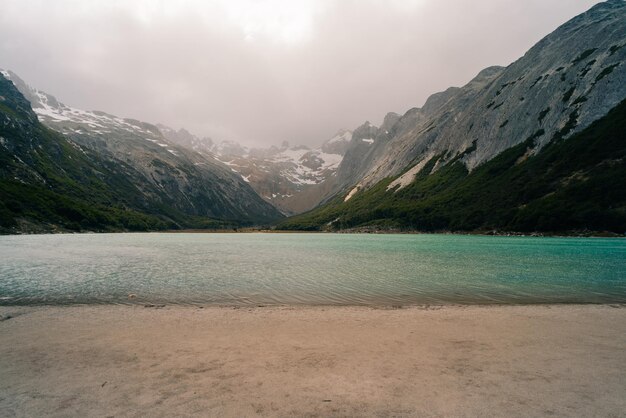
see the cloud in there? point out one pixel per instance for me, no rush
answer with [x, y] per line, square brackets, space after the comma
[264, 71]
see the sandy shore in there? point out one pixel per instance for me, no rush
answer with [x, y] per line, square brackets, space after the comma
[184, 361]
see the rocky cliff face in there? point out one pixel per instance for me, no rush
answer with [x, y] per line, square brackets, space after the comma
[569, 79]
[165, 174]
[535, 146]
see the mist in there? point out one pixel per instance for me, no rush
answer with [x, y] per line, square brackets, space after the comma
[262, 72]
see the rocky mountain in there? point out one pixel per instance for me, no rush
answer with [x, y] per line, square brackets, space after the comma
[293, 179]
[553, 94]
[49, 183]
[188, 140]
[182, 187]
[569, 79]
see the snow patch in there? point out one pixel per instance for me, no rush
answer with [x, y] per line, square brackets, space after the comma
[299, 173]
[341, 137]
[331, 160]
[45, 110]
[332, 222]
[292, 154]
[92, 122]
[408, 177]
[352, 193]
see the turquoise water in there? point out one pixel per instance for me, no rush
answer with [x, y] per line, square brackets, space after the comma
[313, 269]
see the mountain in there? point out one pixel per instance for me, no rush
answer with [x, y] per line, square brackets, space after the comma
[50, 183]
[177, 187]
[293, 179]
[503, 151]
[188, 140]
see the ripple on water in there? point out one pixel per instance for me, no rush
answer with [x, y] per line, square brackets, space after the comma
[309, 269]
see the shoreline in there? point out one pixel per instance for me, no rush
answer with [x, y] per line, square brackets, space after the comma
[565, 234]
[426, 360]
[305, 306]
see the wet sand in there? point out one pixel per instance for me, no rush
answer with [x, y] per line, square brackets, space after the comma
[131, 361]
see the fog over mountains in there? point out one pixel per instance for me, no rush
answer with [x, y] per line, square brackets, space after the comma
[91, 170]
[534, 146]
[285, 176]
[571, 78]
[292, 178]
[265, 71]
[561, 85]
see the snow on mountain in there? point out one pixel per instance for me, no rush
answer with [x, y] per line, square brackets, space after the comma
[307, 166]
[282, 175]
[189, 182]
[72, 121]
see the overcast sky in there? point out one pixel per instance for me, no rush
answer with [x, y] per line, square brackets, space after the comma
[264, 71]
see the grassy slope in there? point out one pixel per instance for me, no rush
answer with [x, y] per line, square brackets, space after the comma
[573, 184]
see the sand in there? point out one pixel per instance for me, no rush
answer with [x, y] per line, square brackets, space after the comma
[131, 361]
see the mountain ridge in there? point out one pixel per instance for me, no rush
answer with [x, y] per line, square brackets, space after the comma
[570, 79]
[574, 186]
[182, 188]
[559, 90]
[465, 118]
[289, 177]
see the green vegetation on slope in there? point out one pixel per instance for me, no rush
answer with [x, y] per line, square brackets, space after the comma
[33, 208]
[48, 183]
[573, 184]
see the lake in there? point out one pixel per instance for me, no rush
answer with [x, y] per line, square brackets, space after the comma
[309, 269]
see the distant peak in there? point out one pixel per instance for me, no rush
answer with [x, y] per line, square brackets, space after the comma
[392, 115]
[366, 124]
[486, 76]
[612, 3]
[489, 72]
[607, 5]
[342, 135]
[366, 130]
[390, 119]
